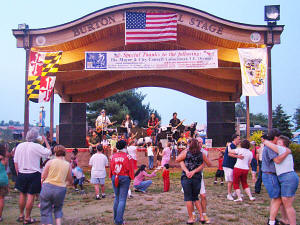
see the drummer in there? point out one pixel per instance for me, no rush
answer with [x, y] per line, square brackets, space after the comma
[174, 123]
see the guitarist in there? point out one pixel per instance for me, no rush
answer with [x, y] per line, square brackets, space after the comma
[175, 123]
[153, 125]
[102, 122]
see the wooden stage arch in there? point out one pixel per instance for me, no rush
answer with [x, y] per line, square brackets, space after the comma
[104, 30]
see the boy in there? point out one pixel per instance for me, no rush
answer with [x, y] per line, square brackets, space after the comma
[166, 177]
[98, 162]
[220, 171]
[79, 177]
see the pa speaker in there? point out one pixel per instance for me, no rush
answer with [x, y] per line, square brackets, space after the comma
[220, 112]
[72, 135]
[71, 113]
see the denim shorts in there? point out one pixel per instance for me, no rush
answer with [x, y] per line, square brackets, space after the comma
[191, 188]
[288, 183]
[272, 185]
[79, 181]
[254, 165]
[98, 180]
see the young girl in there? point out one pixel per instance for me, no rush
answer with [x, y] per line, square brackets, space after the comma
[241, 169]
[166, 178]
[74, 156]
[3, 178]
[287, 177]
[166, 154]
[253, 162]
[159, 154]
[139, 183]
[131, 149]
[113, 143]
[150, 155]
[220, 171]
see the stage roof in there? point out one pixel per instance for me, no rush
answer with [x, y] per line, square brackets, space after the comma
[104, 30]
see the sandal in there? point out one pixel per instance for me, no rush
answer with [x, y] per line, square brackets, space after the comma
[20, 219]
[30, 221]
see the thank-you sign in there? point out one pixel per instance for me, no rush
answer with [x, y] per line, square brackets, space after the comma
[152, 60]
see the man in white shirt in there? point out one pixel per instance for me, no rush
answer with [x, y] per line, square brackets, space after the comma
[102, 120]
[98, 162]
[27, 163]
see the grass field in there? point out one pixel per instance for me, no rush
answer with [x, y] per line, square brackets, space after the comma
[155, 207]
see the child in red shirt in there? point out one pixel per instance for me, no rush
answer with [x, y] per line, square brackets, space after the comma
[166, 177]
[220, 171]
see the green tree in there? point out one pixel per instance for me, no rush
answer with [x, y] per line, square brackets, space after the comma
[240, 109]
[258, 119]
[282, 121]
[117, 106]
[296, 118]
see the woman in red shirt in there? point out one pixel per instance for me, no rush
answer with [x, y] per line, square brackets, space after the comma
[121, 172]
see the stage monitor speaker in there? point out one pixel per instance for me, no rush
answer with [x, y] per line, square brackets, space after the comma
[220, 122]
[72, 125]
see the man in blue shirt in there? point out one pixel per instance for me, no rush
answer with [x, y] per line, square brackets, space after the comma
[229, 162]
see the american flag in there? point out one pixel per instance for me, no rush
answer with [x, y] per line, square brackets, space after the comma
[150, 27]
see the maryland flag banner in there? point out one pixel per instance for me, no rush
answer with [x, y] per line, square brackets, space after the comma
[41, 75]
[254, 70]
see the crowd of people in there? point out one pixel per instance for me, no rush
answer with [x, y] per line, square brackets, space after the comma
[49, 180]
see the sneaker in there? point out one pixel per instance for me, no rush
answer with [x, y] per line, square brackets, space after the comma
[76, 189]
[207, 220]
[238, 200]
[222, 183]
[252, 199]
[233, 194]
[229, 197]
[215, 182]
[98, 197]
[103, 195]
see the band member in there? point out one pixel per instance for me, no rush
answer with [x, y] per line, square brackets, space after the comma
[153, 126]
[175, 123]
[127, 123]
[102, 122]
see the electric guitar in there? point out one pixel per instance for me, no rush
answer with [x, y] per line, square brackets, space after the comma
[101, 127]
[174, 129]
[151, 129]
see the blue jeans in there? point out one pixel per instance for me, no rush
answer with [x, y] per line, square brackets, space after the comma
[174, 152]
[151, 159]
[52, 200]
[259, 179]
[143, 185]
[120, 197]
[272, 185]
[289, 183]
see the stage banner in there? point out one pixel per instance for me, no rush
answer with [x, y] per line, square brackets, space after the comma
[42, 65]
[152, 60]
[254, 63]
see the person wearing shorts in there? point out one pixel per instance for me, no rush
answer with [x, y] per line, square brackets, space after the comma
[3, 177]
[228, 164]
[270, 179]
[27, 163]
[98, 162]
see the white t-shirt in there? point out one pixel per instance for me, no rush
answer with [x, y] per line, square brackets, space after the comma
[28, 155]
[77, 172]
[98, 162]
[243, 163]
[102, 120]
[287, 165]
[150, 151]
[132, 151]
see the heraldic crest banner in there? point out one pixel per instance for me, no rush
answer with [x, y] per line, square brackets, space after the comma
[253, 70]
[41, 75]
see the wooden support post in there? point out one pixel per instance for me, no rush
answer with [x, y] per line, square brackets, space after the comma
[26, 105]
[51, 115]
[248, 117]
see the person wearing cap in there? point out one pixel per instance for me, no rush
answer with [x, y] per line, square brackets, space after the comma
[121, 173]
[102, 121]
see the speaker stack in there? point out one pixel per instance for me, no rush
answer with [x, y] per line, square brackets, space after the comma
[220, 122]
[72, 125]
